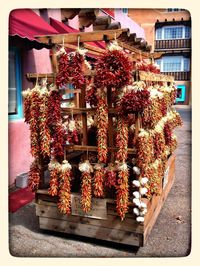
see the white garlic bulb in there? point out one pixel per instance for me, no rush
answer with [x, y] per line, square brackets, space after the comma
[136, 194]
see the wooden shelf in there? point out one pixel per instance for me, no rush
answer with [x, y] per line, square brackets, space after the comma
[93, 148]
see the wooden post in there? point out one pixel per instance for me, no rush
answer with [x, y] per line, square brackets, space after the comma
[54, 61]
[84, 115]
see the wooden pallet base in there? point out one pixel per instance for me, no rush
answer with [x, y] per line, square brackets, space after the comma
[103, 223]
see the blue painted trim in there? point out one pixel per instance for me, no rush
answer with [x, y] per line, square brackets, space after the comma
[19, 114]
[183, 94]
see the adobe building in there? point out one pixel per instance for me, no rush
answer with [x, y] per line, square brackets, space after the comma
[169, 32]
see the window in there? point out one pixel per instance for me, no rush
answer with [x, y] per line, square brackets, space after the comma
[186, 64]
[14, 85]
[125, 10]
[181, 93]
[158, 62]
[173, 32]
[174, 64]
[187, 32]
[159, 34]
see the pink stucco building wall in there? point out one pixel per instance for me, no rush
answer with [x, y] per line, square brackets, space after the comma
[39, 61]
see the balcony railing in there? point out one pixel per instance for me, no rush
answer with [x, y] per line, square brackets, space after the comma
[172, 44]
[179, 75]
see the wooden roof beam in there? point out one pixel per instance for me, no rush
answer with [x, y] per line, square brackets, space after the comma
[84, 36]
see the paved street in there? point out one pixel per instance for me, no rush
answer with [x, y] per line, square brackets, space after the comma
[169, 237]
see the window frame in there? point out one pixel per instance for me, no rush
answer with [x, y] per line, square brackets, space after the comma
[183, 96]
[19, 105]
[172, 26]
[161, 63]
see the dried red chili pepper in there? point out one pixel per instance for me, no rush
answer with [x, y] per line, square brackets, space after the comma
[122, 191]
[64, 195]
[98, 181]
[34, 175]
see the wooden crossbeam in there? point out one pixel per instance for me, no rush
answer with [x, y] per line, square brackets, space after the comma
[142, 75]
[94, 148]
[83, 36]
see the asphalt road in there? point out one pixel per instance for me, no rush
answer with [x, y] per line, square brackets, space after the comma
[170, 236]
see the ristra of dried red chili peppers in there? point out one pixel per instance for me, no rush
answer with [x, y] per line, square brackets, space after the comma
[54, 108]
[168, 134]
[62, 77]
[58, 141]
[98, 180]
[134, 101]
[144, 149]
[34, 175]
[159, 144]
[45, 137]
[90, 96]
[110, 176]
[64, 204]
[34, 121]
[151, 114]
[122, 139]
[113, 68]
[86, 185]
[27, 104]
[71, 68]
[54, 169]
[102, 126]
[122, 190]
[71, 132]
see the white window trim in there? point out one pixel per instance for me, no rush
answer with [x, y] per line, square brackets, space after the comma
[182, 64]
[173, 26]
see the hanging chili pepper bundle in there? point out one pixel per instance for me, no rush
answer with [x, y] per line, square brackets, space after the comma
[152, 172]
[54, 168]
[75, 68]
[34, 121]
[62, 77]
[122, 190]
[45, 137]
[71, 132]
[173, 94]
[58, 141]
[98, 182]
[134, 101]
[113, 68]
[144, 149]
[64, 204]
[168, 134]
[34, 175]
[102, 126]
[54, 108]
[110, 176]
[90, 96]
[27, 104]
[70, 68]
[176, 120]
[151, 114]
[122, 139]
[86, 185]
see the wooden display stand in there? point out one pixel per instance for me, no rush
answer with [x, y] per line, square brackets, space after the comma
[102, 222]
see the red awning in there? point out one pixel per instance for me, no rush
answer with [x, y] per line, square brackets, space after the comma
[62, 28]
[27, 24]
